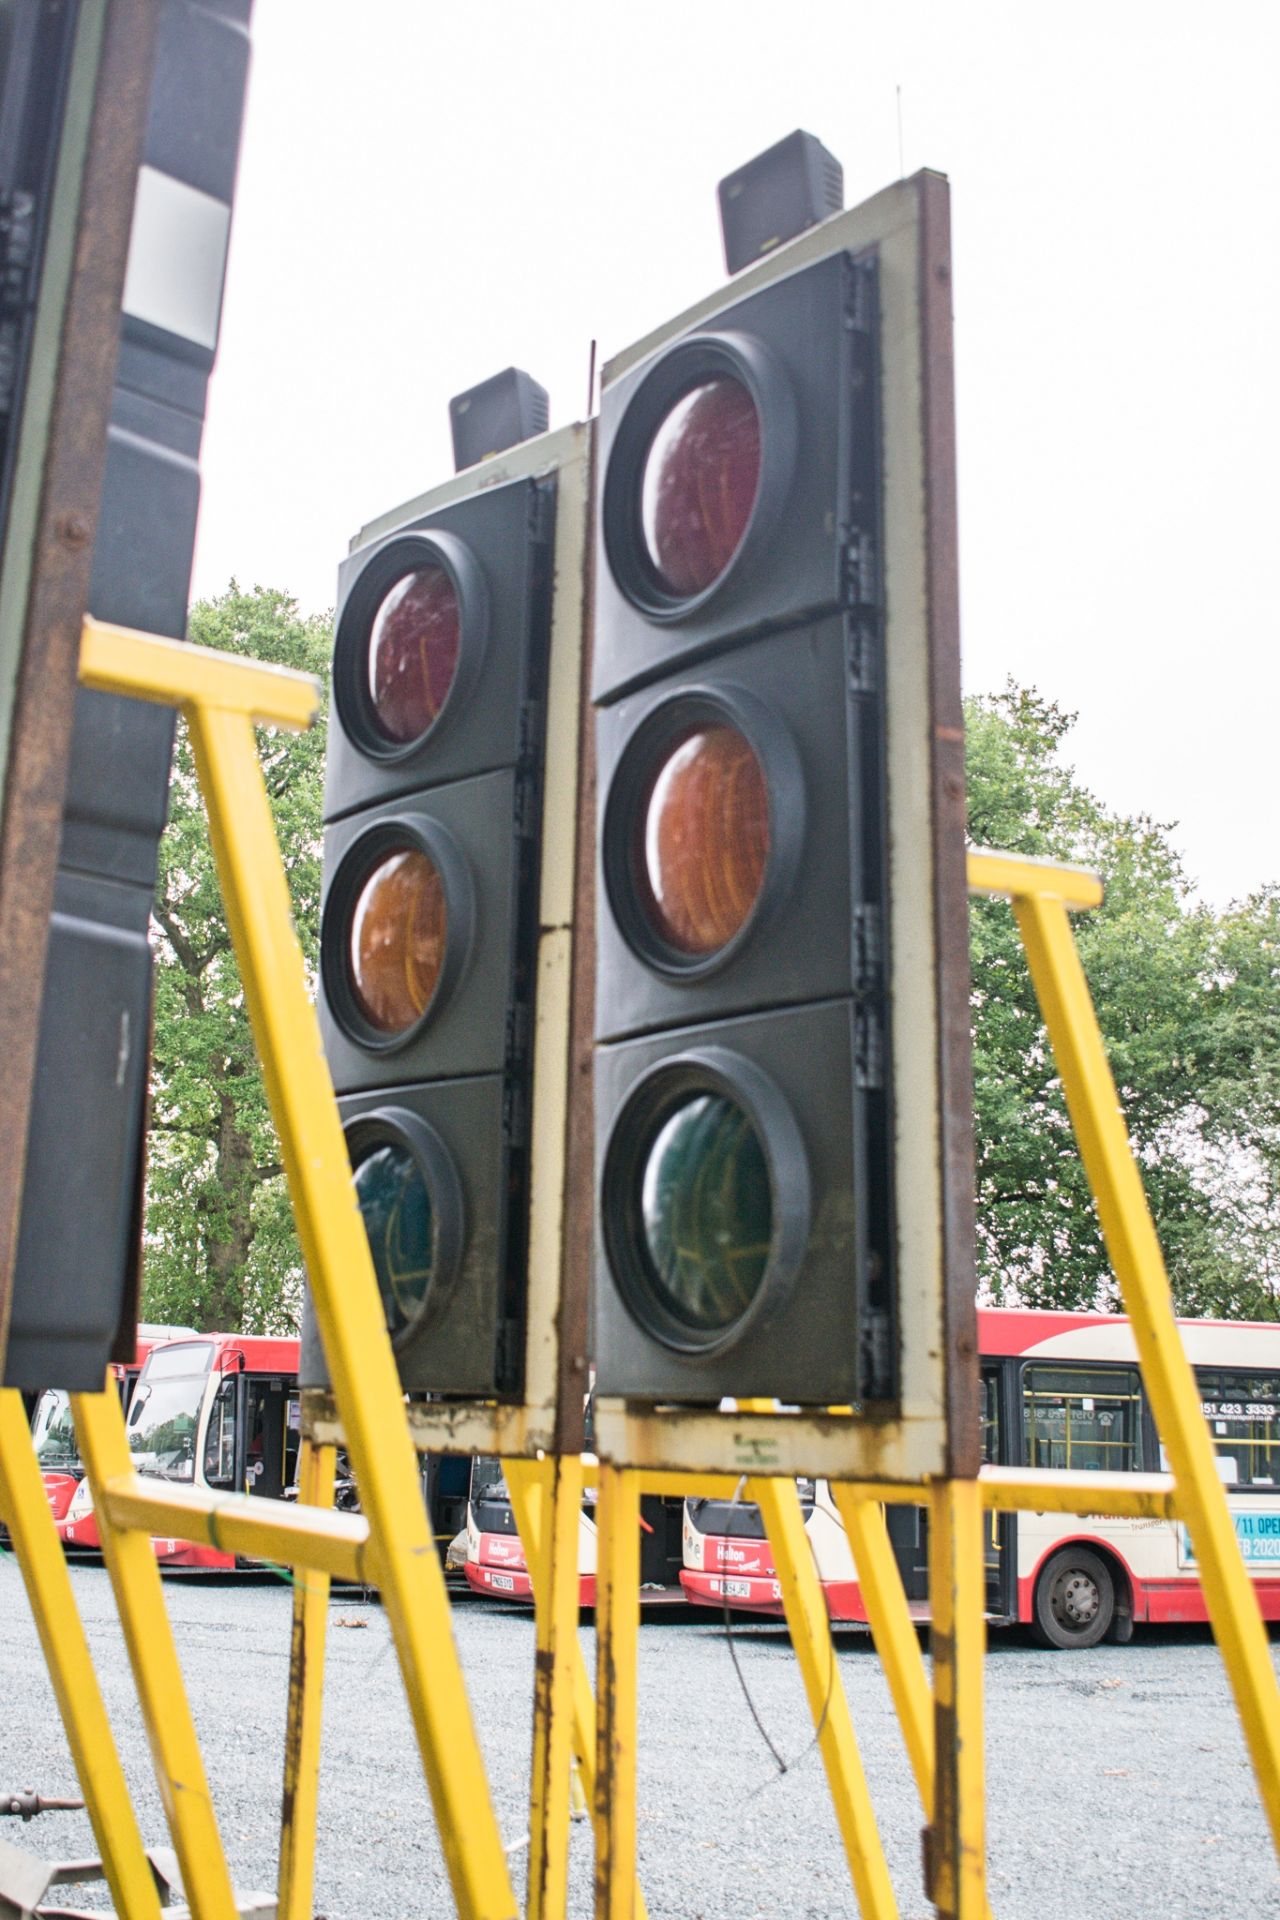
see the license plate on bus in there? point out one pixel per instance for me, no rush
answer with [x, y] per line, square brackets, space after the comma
[736, 1589]
[503, 1581]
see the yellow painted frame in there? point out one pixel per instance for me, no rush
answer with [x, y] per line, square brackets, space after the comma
[221, 698]
[390, 1544]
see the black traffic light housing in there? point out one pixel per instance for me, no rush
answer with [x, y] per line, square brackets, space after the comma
[741, 1076]
[434, 1088]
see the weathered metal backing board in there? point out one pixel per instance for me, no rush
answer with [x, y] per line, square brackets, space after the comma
[935, 1431]
[555, 1362]
[52, 514]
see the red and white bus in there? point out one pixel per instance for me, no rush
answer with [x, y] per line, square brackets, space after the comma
[495, 1562]
[53, 1431]
[1059, 1390]
[214, 1410]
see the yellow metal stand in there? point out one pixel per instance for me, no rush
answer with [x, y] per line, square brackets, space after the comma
[222, 698]
[175, 1752]
[300, 1800]
[390, 1544]
[956, 1842]
[25, 1510]
[1041, 897]
[810, 1629]
[617, 1646]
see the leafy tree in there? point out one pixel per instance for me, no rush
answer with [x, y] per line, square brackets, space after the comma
[1188, 1006]
[221, 1251]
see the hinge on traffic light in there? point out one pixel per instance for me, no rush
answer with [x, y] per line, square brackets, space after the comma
[542, 503]
[862, 654]
[868, 948]
[868, 1047]
[515, 1116]
[17, 233]
[510, 1350]
[875, 1358]
[517, 1032]
[526, 807]
[530, 729]
[17, 222]
[860, 298]
[860, 584]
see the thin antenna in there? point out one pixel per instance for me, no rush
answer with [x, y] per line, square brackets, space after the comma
[591, 381]
[902, 165]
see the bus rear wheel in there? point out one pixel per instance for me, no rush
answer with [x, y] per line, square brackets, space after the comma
[1075, 1600]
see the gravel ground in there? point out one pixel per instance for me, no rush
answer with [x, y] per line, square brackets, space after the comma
[1118, 1778]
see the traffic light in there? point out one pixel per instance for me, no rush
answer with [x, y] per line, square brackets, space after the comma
[766, 939]
[78, 1246]
[429, 928]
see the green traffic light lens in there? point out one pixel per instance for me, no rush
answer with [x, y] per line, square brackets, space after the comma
[701, 478]
[395, 1203]
[706, 1212]
[398, 933]
[413, 653]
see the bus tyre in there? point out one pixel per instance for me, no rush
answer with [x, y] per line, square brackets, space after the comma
[1075, 1600]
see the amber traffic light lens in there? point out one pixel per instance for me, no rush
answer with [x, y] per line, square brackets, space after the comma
[413, 653]
[706, 1212]
[705, 840]
[397, 943]
[395, 1203]
[701, 477]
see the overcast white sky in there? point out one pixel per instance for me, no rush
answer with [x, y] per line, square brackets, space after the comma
[429, 193]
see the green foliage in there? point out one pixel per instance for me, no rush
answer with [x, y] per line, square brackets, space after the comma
[221, 1250]
[1188, 1005]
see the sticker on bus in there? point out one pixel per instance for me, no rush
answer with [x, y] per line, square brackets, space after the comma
[1258, 1536]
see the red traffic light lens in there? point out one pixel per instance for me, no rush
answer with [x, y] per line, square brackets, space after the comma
[701, 477]
[413, 653]
[704, 840]
[396, 947]
[706, 1212]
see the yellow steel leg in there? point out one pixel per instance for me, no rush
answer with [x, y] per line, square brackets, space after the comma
[316, 1470]
[555, 1572]
[344, 1290]
[526, 1482]
[955, 1851]
[617, 1641]
[1144, 1284]
[25, 1509]
[135, 1579]
[893, 1630]
[810, 1628]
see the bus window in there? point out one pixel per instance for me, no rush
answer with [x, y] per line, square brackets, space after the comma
[55, 1433]
[1082, 1418]
[220, 1440]
[989, 1416]
[1243, 1412]
[266, 1406]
